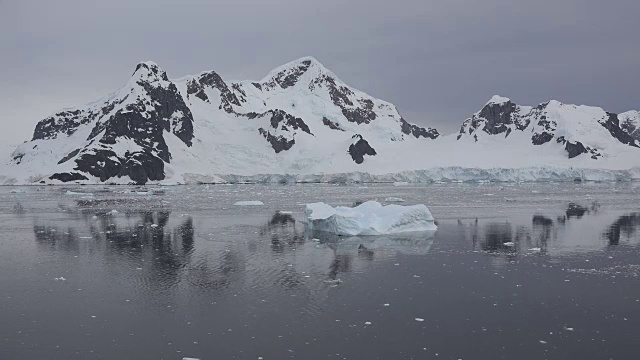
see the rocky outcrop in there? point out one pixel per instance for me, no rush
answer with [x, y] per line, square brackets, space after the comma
[278, 142]
[612, 123]
[331, 124]
[417, 131]
[359, 148]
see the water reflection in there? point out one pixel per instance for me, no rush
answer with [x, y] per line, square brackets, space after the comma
[578, 229]
[625, 227]
[139, 240]
[161, 248]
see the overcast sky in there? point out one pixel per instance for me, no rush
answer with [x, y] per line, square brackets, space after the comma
[437, 61]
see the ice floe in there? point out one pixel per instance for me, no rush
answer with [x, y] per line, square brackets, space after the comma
[249, 203]
[369, 218]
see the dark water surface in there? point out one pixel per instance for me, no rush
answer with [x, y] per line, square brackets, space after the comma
[513, 272]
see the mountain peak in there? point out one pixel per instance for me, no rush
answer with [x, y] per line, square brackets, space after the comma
[148, 71]
[497, 99]
[289, 74]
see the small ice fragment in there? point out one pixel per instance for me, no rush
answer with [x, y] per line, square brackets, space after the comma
[386, 305]
[154, 225]
[285, 212]
[419, 319]
[542, 342]
[367, 323]
[334, 281]
[535, 249]
[186, 358]
[393, 199]
[488, 194]
[61, 278]
[249, 203]
[508, 243]
[93, 316]
[400, 183]
[17, 191]
[568, 328]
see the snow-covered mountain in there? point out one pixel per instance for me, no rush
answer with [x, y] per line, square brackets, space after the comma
[302, 123]
[579, 129]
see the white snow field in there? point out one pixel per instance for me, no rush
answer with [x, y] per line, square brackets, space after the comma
[369, 218]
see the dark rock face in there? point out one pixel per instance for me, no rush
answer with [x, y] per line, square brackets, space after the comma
[287, 121]
[547, 127]
[282, 121]
[577, 148]
[278, 143]
[417, 131]
[630, 128]
[105, 164]
[289, 77]
[66, 177]
[541, 138]
[212, 80]
[498, 116]
[360, 148]
[613, 125]
[67, 122]
[494, 119]
[145, 121]
[362, 113]
[331, 124]
[69, 156]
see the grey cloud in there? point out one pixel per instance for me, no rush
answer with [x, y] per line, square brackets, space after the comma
[438, 61]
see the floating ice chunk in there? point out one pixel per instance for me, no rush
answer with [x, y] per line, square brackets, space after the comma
[535, 249]
[393, 199]
[17, 191]
[509, 243]
[419, 319]
[69, 192]
[369, 218]
[61, 278]
[249, 203]
[334, 281]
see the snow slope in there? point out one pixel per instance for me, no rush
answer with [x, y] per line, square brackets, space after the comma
[302, 123]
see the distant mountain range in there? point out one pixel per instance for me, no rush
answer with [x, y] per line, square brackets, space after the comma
[301, 123]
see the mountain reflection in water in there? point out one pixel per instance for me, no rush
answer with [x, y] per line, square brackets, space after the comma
[579, 229]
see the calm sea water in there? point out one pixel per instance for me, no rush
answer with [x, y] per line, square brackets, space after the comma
[514, 272]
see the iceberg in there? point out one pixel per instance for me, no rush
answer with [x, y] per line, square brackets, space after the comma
[369, 219]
